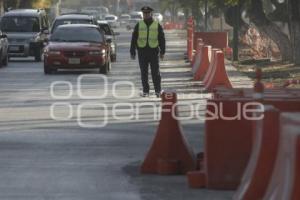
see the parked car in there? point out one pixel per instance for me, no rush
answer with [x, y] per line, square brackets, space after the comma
[26, 30]
[73, 19]
[124, 19]
[3, 49]
[158, 17]
[79, 46]
[112, 20]
[110, 38]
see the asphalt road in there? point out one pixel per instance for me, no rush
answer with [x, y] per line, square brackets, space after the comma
[58, 141]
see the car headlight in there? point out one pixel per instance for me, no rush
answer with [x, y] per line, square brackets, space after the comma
[97, 53]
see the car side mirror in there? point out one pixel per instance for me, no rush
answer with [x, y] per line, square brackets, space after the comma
[3, 36]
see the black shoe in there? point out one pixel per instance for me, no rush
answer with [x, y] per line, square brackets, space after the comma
[158, 94]
[144, 94]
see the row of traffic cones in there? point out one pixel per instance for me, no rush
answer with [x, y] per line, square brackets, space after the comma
[208, 65]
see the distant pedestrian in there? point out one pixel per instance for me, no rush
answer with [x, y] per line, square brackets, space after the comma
[149, 39]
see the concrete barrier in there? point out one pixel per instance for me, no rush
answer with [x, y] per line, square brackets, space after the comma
[285, 182]
[215, 39]
[228, 143]
[218, 76]
[265, 147]
[197, 58]
[202, 68]
[211, 67]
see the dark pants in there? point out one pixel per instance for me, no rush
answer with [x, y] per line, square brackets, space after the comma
[152, 58]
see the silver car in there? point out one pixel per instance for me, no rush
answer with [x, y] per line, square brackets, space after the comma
[26, 30]
[110, 38]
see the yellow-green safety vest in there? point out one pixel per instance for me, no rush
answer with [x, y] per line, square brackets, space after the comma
[143, 35]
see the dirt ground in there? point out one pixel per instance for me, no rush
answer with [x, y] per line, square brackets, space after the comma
[275, 74]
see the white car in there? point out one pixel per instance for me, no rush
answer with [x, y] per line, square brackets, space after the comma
[134, 14]
[135, 18]
[124, 19]
[112, 20]
[158, 17]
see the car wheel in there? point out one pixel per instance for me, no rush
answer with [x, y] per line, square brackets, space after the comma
[47, 69]
[38, 55]
[113, 58]
[104, 69]
[5, 60]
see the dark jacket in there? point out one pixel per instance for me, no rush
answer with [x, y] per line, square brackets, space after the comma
[161, 40]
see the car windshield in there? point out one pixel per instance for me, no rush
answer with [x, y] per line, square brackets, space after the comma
[125, 17]
[136, 17]
[105, 28]
[109, 18]
[20, 24]
[70, 21]
[77, 34]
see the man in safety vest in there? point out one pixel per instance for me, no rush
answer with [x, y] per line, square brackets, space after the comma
[149, 39]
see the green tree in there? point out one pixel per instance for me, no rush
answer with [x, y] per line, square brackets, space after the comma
[294, 22]
[261, 13]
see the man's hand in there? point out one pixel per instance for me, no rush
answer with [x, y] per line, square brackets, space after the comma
[162, 56]
[132, 57]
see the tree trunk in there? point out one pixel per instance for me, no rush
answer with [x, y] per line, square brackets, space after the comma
[230, 19]
[296, 41]
[18, 4]
[265, 26]
[294, 8]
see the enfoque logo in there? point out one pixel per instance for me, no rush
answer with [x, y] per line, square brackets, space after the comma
[117, 109]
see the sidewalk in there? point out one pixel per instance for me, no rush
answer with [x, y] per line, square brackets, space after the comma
[237, 79]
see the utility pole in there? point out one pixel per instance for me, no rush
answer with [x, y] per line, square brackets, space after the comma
[206, 15]
[117, 6]
[1, 7]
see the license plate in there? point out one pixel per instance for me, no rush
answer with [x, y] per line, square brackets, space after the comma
[14, 48]
[74, 61]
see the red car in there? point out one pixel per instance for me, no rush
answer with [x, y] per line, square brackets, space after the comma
[78, 46]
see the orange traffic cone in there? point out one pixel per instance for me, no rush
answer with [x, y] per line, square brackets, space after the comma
[211, 67]
[197, 56]
[170, 152]
[204, 63]
[219, 76]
